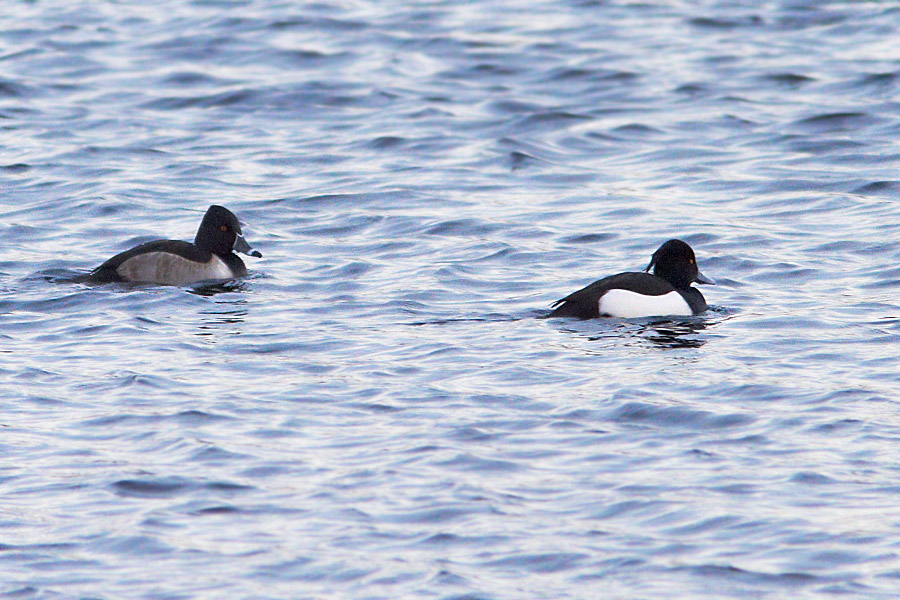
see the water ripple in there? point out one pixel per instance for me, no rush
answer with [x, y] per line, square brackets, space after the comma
[377, 411]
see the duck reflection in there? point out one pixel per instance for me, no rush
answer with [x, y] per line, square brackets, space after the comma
[674, 334]
[212, 289]
[227, 314]
[227, 319]
[662, 332]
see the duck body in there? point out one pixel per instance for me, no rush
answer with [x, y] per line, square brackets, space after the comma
[210, 257]
[169, 262]
[667, 291]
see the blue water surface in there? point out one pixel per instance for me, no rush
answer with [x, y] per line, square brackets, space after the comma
[376, 411]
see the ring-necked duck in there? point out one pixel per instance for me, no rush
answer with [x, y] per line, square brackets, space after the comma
[174, 262]
[667, 291]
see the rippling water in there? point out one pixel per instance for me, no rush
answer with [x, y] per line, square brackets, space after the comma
[376, 411]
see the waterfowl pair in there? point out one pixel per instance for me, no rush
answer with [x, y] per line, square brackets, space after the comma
[211, 257]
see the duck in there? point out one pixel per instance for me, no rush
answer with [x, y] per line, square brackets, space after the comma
[665, 292]
[210, 257]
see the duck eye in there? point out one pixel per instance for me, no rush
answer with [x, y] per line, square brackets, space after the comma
[225, 228]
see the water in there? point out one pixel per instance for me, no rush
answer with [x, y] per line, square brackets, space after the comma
[376, 411]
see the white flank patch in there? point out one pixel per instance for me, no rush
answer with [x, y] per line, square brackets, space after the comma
[171, 269]
[630, 305]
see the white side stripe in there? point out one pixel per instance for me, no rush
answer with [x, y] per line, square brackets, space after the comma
[630, 305]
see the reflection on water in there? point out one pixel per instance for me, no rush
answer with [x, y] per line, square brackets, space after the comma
[227, 315]
[664, 332]
[674, 334]
[212, 289]
[57, 276]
